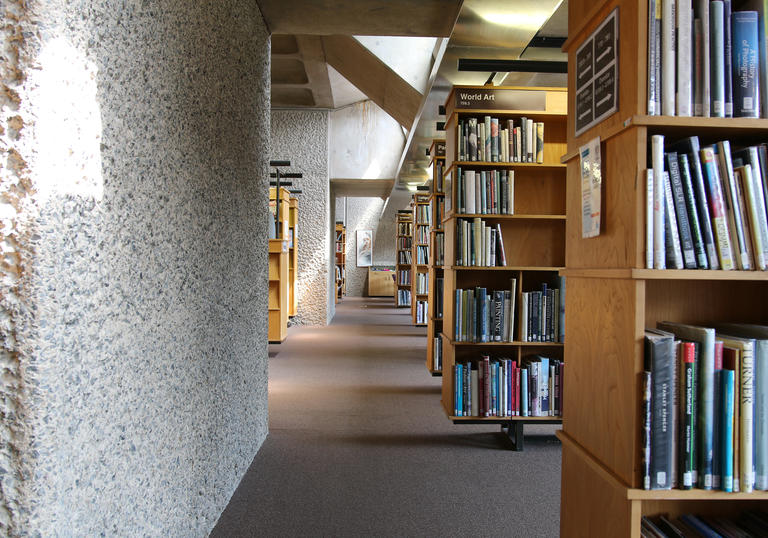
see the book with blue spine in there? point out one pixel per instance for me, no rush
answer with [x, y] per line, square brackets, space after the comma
[727, 380]
[746, 94]
[544, 385]
[524, 392]
[457, 390]
[728, 57]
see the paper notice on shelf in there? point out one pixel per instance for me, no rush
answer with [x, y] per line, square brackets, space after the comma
[591, 182]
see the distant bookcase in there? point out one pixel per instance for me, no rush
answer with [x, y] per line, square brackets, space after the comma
[341, 261]
[436, 257]
[403, 246]
[293, 255]
[420, 256]
[278, 306]
[533, 235]
[612, 297]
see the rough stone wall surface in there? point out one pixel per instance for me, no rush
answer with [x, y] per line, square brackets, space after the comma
[134, 139]
[302, 137]
[362, 214]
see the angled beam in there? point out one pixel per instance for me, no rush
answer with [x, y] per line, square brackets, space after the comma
[373, 77]
[311, 50]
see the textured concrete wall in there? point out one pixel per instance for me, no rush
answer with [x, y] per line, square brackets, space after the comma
[302, 137]
[384, 243]
[133, 227]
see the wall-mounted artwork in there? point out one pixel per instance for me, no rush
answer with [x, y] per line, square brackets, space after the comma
[364, 248]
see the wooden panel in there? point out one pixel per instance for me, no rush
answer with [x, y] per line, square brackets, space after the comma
[540, 191]
[448, 362]
[591, 505]
[380, 283]
[603, 358]
[620, 243]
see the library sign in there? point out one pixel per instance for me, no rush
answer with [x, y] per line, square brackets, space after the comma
[597, 74]
[498, 99]
[439, 149]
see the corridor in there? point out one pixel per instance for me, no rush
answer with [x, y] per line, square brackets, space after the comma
[359, 445]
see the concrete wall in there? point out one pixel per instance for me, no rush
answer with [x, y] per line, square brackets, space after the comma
[361, 214]
[133, 205]
[302, 137]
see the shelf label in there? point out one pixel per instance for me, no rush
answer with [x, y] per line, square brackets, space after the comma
[439, 149]
[591, 183]
[499, 99]
[597, 75]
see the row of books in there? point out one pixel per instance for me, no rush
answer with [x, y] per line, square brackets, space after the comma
[487, 192]
[706, 206]
[438, 181]
[439, 248]
[421, 312]
[423, 214]
[482, 316]
[405, 228]
[744, 525]
[422, 234]
[404, 257]
[705, 59]
[422, 283]
[438, 312]
[403, 297]
[404, 243]
[494, 140]
[422, 254]
[705, 407]
[479, 245]
[500, 388]
[542, 314]
[404, 277]
[437, 353]
[438, 211]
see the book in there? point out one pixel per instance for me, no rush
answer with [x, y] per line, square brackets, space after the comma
[692, 212]
[646, 437]
[654, 57]
[717, 58]
[732, 207]
[717, 212]
[540, 142]
[691, 148]
[746, 97]
[726, 433]
[728, 58]
[705, 338]
[756, 221]
[702, 92]
[659, 202]
[668, 57]
[681, 212]
[761, 8]
[684, 43]
[687, 363]
[649, 218]
[659, 360]
[674, 252]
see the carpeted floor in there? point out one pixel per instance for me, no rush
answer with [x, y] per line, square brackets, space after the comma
[359, 445]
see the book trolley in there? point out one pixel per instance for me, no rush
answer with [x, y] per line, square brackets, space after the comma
[436, 255]
[612, 297]
[533, 236]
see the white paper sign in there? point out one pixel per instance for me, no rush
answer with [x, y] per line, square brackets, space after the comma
[591, 181]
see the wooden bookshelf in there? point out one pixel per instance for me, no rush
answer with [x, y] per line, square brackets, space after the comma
[533, 238]
[278, 269]
[420, 264]
[403, 249]
[341, 261]
[435, 266]
[293, 256]
[612, 298]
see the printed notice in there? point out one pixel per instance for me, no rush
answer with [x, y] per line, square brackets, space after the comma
[597, 74]
[591, 182]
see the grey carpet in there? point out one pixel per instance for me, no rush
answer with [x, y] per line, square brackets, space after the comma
[359, 445]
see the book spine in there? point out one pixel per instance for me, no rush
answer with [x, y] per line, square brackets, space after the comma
[687, 464]
[524, 392]
[674, 251]
[668, 57]
[726, 430]
[649, 218]
[757, 216]
[732, 209]
[717, 55]
[684, 42]
[646, 414]
[702, 14]
[654, 24]
[728, 58]
[494, 139]
[702, 207]
[692, 212]
[746, 98]
[681, 212]
[659, 244]
[761, 415]
[717, 209]
[746, 415]
[540, 142]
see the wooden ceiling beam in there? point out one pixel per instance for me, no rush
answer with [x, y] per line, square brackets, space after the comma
[373, 77]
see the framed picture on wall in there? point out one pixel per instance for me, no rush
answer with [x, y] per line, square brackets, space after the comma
[364, 248]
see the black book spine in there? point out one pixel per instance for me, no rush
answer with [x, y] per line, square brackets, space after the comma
[693, 217]
[684, 228]
[662, 361]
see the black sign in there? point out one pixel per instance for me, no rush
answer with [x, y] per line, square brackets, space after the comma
[440, 149]
[497, 99]
[597, 75]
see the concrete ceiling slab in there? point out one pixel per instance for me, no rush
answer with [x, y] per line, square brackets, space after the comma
[362, 188]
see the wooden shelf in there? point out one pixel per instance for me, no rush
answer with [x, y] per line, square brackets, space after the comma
[505, 268]
[516, 343]
[666, 274]
[485, 216]
[499, 420]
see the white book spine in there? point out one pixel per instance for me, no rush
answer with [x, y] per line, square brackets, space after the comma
[524, 318]
[756, 203]
[649, 218]
[511, 191]
[669, 210]
[717, 55]
[668, 57]
[659, 245]
[652, 56]
[706, 95]
[684, 58]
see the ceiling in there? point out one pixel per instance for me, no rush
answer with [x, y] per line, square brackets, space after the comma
[316, 63]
